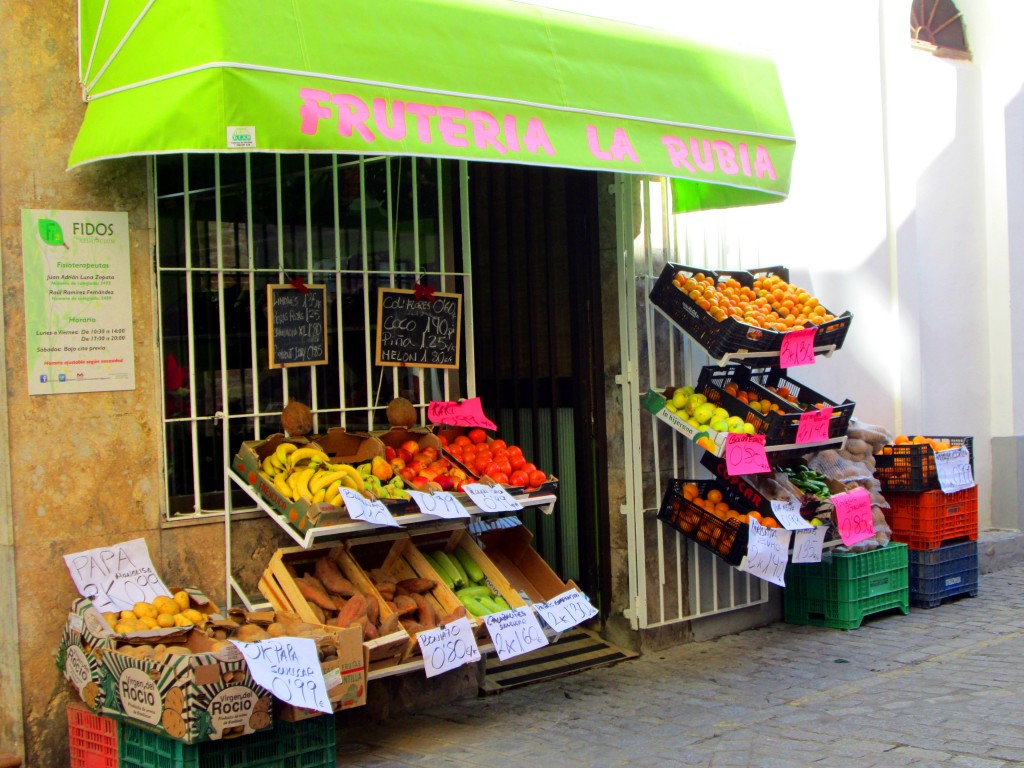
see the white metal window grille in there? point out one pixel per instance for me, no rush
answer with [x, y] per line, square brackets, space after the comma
[672, 579]
[227, 226]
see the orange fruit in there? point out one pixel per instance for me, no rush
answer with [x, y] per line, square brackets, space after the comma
[714, 495]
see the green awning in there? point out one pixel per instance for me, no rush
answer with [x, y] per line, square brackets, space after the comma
[485, 80]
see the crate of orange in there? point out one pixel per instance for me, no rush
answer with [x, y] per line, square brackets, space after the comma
[908, 464]
[770, 401]
[733, 312]
[707, 513]
[482, 455]
[931, 519]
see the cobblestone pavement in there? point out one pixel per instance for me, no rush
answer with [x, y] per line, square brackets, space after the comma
[940, 687]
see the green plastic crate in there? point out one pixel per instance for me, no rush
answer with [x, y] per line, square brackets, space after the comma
[845, 587]
[305, 744]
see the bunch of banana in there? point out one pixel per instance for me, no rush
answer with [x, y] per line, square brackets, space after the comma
[307, 473]
[392, 489]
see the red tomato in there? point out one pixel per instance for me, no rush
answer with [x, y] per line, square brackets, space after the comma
[444, 440]
[516, 462]
[462, 440]
[477, 435]
[481, 463]
[519, 478]
[537, 478]
[456, 451]
[503, 466]
[498, 445]
[528, 467]
[515, 450]
[499, 477]
[492, 469]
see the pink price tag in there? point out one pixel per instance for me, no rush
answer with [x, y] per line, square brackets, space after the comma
[465, 413]
[797, 348]
[853, 514]
[814, 426]
[745, 455]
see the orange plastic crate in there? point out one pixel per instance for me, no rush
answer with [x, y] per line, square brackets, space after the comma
[92, 738]
[929, 519]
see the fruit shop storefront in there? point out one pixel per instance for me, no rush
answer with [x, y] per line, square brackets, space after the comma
[213, 163]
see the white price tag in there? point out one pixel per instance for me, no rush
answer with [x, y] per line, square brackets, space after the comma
[448, 647]
[116, 577]
[788, 515]
[361, 508]
[439, 504]
[807, 545]
[565, 611]
[289, 668]
[491, 498]
[767, 553]
[954, 469]
[515, 632]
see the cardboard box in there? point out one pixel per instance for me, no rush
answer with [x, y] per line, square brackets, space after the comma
[343, 447]
[400, 559]
[204, 695]
[527, 572]
[711, 441]
[87, 635]
[278, 585]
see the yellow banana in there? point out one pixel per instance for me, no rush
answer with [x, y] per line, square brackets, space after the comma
[311, 454]
[353, 474]
[282, 486]
[269, 467]
[301, 484]
[281, 454]
[319, 496]
[333, 495]
[323, 479]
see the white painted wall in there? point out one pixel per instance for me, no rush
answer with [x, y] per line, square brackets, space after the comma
[905, 187]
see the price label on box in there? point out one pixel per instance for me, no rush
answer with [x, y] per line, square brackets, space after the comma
[854, 516]
[788, 515]
[767, 552]
[953, 468]
[515, 632]
[797, 348]
[361, 508]
[566, 610]
[745, 455]
[439, 504]
[491, 498]
[813, 427]
[448, 647]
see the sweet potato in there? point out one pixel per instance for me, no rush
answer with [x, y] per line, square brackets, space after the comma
[418, 586]
[332, 578]
[386, 589]
[370, 631]
[426, 615]
[372, 609]
[458, 613]
[405, 605]
[314, 592]
[389, 625]
[354, 609]
[412, 626]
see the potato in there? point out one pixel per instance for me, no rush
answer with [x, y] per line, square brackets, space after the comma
[250, 633]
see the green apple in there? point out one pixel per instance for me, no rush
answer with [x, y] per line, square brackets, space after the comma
[694, 423]
[703, 412]
[696, 399]
[735, 423]
[687, 390]
[720, 425]
[720, 413]
[679, 399]
[749, 428]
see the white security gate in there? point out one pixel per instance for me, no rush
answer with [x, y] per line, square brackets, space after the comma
[671, 578]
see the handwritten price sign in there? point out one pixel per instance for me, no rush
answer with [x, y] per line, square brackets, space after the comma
[491, 498]
[788, 515]
[448, 647]
[953, 468]
[566, 611]
[361, 508]
[745, 455]
[853, 515]
[797, 348]
[515, 632]
[807, 545]
[464, 413]
[116, 577]
[767, 552]
[439, 504]
[813, 427]
[288, 667]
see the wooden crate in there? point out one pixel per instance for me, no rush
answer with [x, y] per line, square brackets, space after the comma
[278, 586]
[449, 541]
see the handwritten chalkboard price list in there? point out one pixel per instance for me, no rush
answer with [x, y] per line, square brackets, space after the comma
[298, 325]
[418, 332]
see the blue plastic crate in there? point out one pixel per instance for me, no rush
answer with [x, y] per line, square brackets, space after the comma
[939, 574]
[845, 587]
[305, 744]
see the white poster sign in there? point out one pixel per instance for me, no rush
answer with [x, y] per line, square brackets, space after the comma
[78, 301]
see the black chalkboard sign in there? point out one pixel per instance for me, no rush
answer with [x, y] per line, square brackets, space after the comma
[423, 333]
[297, 325]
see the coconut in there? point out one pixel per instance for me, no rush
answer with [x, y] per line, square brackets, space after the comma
[401, 413]
[297, 419]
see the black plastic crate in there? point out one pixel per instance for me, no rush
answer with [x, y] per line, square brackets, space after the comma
[911, 468]
[725, 538]
[731, 336]
[778, 428]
